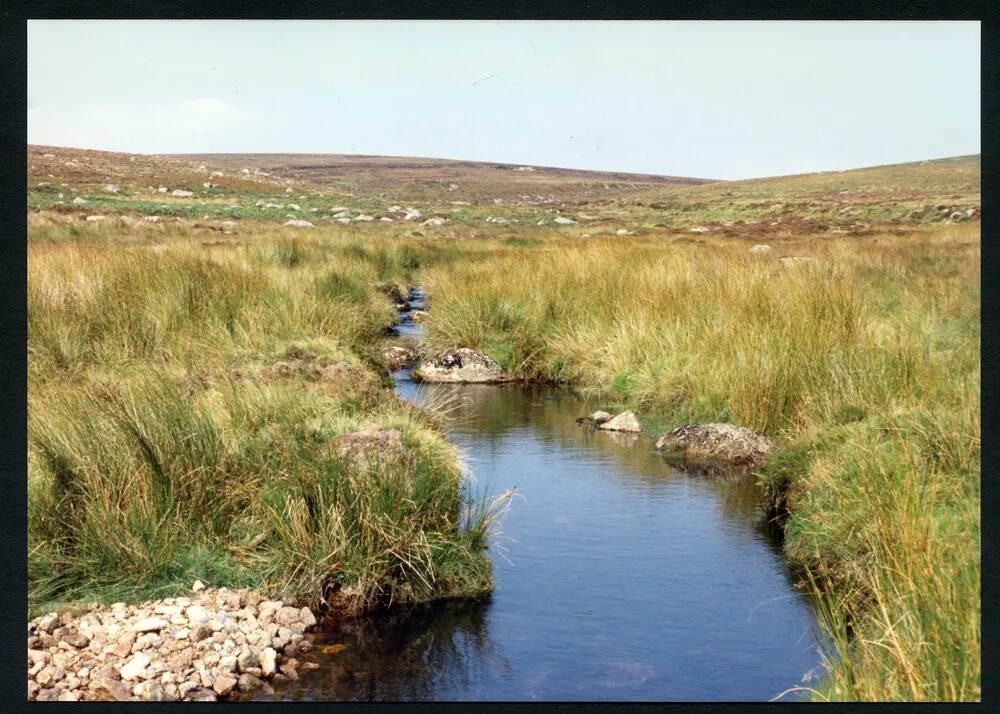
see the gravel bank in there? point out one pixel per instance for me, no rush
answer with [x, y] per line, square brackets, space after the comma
[213, 645]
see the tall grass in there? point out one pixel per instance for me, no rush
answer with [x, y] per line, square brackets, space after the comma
[158, 453]
[863, 362]
[889, 524]
[162, 450]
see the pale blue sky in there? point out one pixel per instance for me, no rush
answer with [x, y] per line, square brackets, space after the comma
[707, 99]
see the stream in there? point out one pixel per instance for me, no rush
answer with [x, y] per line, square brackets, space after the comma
[617, 577]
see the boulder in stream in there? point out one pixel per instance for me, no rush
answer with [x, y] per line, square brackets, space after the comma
[626, 421]
[716, 448]
[462, 365]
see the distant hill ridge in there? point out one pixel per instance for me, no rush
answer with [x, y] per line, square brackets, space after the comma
[311, 161]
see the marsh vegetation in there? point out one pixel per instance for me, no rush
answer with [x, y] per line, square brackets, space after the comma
[183, 417]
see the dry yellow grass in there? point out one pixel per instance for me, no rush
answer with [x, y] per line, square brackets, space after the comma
[863, 361]
[161, 449]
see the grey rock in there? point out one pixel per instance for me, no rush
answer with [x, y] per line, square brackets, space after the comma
[462, 365]
[184, 687]
[290, 615]
[709, 447]
[227, 663]
[196, 614]
[246, 659]
[626, 421]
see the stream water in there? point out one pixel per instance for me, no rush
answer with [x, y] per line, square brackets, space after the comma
[617, 577]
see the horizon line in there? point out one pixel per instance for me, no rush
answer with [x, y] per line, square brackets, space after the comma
[507, 163]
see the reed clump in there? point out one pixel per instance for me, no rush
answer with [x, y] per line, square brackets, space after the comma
[166, 445]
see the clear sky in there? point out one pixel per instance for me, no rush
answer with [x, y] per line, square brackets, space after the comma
[707, 99]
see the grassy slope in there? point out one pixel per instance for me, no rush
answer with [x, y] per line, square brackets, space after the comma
[863, 363]
[858, 202]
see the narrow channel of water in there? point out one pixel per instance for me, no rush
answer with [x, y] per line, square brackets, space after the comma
[617, 577]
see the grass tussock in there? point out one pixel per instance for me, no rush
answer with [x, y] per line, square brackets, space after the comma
[165, 446]
[863, 361]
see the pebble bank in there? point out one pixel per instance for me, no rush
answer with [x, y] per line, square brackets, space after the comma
[213, 645]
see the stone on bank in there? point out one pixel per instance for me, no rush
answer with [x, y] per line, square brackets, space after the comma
[210, 646]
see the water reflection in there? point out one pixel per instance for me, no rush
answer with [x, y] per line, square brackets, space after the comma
[411, 655]
[490, 414]
[618, 578]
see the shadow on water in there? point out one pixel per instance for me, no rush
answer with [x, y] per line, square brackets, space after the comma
[617, 577]
[403, 656]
